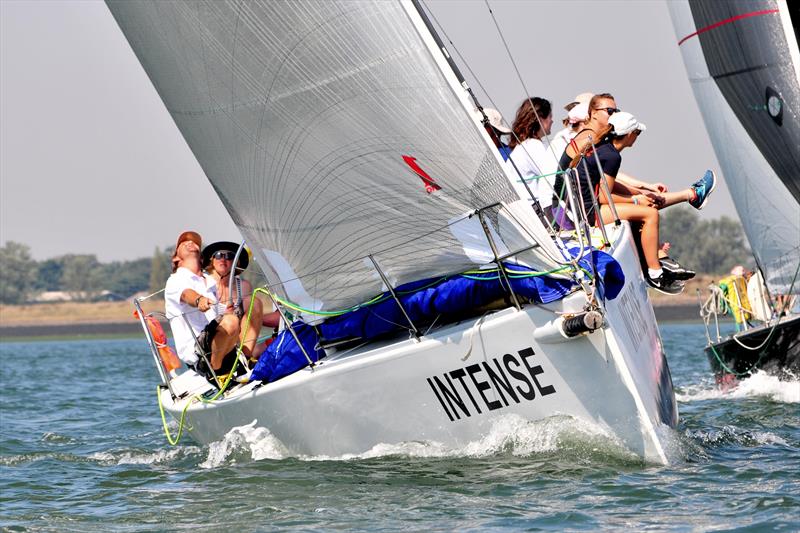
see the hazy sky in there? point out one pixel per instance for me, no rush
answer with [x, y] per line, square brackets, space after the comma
[91, 162]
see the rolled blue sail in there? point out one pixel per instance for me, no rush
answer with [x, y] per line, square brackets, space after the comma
[425, 300]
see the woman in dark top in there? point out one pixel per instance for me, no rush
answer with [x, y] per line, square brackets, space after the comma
[632, 205]
[595, 131]
[611, 131]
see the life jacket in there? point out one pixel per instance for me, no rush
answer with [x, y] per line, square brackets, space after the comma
[168, 356]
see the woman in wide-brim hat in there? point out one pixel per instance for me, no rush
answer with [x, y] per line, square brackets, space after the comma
[226, 246]
[217, 260]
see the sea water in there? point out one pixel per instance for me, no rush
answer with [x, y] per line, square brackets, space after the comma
[82, 449]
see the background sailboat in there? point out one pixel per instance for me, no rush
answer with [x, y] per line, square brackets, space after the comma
[742, 60]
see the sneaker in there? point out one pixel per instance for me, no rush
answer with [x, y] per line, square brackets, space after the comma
[675, 270]
[665, 283]
[703, 189]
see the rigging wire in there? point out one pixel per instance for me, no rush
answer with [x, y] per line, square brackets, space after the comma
[521, 80]
[466, 64]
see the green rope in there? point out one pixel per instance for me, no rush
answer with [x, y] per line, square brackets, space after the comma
[223, 386]
[730, 370]
[534, 178]
[383, 297]
[173, 441]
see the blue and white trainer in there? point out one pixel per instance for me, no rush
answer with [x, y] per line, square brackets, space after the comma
[703, 189]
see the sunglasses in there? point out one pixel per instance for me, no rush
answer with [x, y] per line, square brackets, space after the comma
[224, 254]
[609, 110]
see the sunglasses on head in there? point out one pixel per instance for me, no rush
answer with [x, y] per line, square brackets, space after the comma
[224, 254]
[609, 110]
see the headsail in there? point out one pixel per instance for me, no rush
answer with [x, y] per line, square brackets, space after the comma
[330, 133]
[741, 58]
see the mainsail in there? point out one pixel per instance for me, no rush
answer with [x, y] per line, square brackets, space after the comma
[332, 133]
[742, 60]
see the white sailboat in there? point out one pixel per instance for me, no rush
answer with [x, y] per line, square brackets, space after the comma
[344, 145]
[744, 67]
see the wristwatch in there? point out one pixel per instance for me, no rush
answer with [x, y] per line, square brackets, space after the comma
[197, 302]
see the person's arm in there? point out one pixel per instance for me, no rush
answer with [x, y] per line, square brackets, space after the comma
[622, 189]
[639, 184]
[638, 187]
[195, 299]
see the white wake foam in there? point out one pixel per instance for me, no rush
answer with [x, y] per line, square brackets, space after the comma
[242, 443]
[732, 434]
[510, 434]
[759, 384]
[143, 458]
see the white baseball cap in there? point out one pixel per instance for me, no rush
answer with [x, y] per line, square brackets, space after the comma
[624, 123]
[495, 119]
[582, 98]
[579, 113]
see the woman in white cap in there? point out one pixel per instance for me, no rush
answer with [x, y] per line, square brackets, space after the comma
[577, 115]
[496, 127]
[576, 118]
[633, 205]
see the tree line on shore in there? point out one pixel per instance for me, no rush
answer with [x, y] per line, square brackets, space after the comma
[711, 246]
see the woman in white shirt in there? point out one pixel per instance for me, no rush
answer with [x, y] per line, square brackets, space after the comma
[530, 155]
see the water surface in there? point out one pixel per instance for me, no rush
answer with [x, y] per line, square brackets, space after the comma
[82, 449]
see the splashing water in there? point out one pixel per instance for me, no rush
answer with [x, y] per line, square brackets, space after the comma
[757, 385]
[243, 443]
[509, 435]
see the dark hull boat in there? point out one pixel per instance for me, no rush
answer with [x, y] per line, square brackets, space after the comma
[773, 349]
[743, 64]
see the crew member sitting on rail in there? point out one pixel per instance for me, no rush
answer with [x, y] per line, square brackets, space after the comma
[636, 207]
[577, 115]
[189, 304]
[531, 157]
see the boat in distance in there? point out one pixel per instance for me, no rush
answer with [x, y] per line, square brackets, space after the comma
[743, 64]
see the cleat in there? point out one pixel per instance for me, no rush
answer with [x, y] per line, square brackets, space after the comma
[703, 189]
[675, 270]
[665, 283]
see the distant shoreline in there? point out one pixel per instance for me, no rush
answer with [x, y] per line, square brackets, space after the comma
[665, 312]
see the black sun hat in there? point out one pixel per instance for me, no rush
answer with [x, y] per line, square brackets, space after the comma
[214, 247]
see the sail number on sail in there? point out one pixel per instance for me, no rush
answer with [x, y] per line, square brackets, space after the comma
[478, 379]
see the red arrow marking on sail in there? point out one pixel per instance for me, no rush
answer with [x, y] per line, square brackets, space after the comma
[430, 184]
[728, 21]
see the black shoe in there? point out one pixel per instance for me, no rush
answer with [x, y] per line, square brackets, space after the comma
[665, 283]
[675, 270]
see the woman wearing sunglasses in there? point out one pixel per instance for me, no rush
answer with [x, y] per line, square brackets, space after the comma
[218, 262]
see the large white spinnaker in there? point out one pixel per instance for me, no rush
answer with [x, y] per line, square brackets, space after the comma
[741, 60]
[330, 133]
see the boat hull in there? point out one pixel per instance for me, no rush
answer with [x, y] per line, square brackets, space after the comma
[453, 384]
[780, 354]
